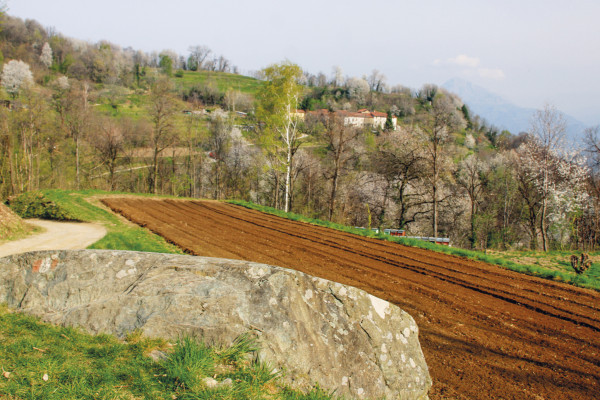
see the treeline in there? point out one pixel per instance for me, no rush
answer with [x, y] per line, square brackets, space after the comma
[443, 172]
[101, 62]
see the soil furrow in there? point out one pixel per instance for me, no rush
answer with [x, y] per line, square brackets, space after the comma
[486, 332]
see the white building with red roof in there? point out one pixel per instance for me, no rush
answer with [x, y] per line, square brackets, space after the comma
[361, 118]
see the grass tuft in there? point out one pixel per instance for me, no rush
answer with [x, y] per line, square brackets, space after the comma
[240, 348]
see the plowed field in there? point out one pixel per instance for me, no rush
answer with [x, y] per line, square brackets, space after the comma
[487, 333]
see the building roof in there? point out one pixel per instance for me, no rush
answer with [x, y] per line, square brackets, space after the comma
[378, 114]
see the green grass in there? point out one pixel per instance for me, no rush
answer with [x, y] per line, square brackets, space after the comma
[559, 271]
[121, 235]
[134, 105]
[127, 109]
[224, 81]
[82, 366]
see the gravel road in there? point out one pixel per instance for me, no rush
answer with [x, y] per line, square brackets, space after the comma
[57, 236]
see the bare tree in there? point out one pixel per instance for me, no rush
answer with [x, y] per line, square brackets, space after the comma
[399, 160]
[470, 178]
[219, 142]
[162, 109]
[592, 143]
[71, 103]
[376, 81]
[338, 139]
[29, 125]
[427, 93]
[222, 64]
[528, 192]
[198, 56]
[108, 142]
[194, 137]
[434, 133]
[321, 79]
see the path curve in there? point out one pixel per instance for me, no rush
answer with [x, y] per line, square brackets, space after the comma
[57, 236]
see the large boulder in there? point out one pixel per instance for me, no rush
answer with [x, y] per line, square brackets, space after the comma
[317, 330]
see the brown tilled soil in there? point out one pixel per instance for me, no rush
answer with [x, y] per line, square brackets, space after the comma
[487, 333]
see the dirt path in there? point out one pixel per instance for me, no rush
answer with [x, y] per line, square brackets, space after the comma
[487, 332]
[57, 236]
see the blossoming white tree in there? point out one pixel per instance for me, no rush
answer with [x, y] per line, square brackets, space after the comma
[557, 175]
[16, 75]
[46, 55]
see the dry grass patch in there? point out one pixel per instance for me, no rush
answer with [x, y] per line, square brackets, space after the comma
[12, 226]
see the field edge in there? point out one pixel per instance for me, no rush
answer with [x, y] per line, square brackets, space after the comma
[582, 281]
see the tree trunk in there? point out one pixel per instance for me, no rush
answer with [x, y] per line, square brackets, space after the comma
[472, 238]
[77, 161]
[543, 226]
[334, 184]
[276, 190]
[435, 222]
[533, 230]
[288, 177]
[154, 180]
[11, 166]
[173, 173]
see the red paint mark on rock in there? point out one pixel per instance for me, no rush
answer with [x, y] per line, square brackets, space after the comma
[54, 263]
[37, 265]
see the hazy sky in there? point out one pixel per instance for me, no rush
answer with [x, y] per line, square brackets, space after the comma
[529, 51]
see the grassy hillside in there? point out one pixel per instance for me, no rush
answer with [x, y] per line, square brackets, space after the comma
[118, 101]
[223, 81]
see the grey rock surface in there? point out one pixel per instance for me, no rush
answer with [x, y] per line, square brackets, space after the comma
[316, 330]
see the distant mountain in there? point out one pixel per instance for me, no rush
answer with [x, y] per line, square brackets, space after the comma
[500, 112]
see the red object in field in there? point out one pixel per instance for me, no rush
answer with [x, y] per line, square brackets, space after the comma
[395, 232]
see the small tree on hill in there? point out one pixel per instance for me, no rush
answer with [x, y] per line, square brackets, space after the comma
[162, 109]
[166, 64]
[16, 75]
[46, 55]
[389, 124]
[434, 134]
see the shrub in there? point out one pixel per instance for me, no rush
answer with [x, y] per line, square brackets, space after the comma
[36, 205]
